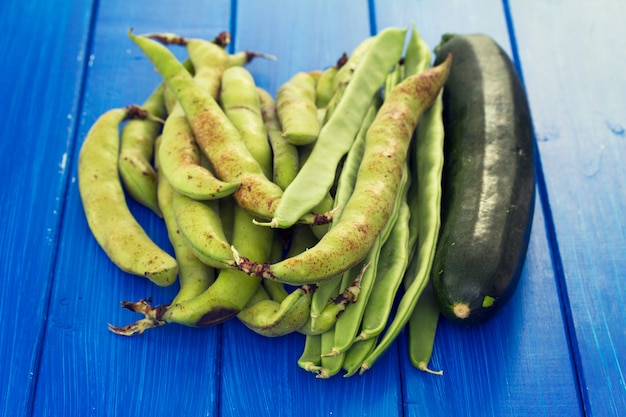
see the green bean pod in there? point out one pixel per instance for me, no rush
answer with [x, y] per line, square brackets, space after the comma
[418, 56]
[109, 219]
[310, 359]
[194, 276]
[181, 161]
[376, 188]
[357, 354]
[394, 259]
[330, 365]
[222, 300]
[422, 330]
[241, 103]
[136, 153]
[325, 86]
[317, 175]
[428, 160]
[349, 322]
[284, 154]
[200, 224]
[271, 319]
[327, 318]
[295, 103]
[345, 186]
[215, 134]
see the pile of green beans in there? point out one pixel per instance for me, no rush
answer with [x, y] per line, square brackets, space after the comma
[313, 211]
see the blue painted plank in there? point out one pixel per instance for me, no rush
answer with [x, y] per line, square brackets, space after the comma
[262, 374]
[85, 369]
[42, 51]
[569, 55]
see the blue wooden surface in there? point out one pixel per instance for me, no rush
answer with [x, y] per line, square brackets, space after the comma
[557, 349]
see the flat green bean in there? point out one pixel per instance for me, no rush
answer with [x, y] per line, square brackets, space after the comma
[194, 276]
[317, 175]
[422, 330]
[310, 359]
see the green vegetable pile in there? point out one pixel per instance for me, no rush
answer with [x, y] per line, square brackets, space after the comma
[315, 212]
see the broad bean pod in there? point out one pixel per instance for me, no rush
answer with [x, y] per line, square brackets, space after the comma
[376, 188]
[137, 151]
[317, 175]
[181, 161]
[194, 276]
[357, 354]
[216, 135]
[112, 224]
[200, 224]
[240, 100]
[330, 365]
[427, 157]
[295, 103]
[270, 318]
[222, 300]
[284, 154]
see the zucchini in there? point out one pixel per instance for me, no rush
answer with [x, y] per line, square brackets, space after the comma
[488, 182]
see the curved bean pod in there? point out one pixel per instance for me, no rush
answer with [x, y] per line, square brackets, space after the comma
[285, 155]
[270, 318]
[181, 161]
[241, 103]
[200, 224]
[428, 150]
[215, 134]
[222, 300]
[136, 153]
[422, 330]
[194, 276]
[111, 222]
[295, 102]
[232, 289]
[376, 187]
[310, 359]
[317, 175]
[357, 354]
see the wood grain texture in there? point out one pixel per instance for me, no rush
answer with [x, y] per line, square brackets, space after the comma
[42, 67]
[569, 56]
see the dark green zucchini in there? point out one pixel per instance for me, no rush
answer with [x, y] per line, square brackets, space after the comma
[488, 181]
